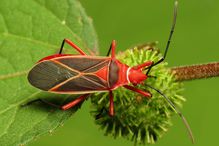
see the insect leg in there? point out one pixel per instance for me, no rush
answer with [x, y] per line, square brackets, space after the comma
[144, 93]
[112, 48]
[42, 101]
[72, 45]
[111, 107]
[169, 39]
[145, 64]
[99, 115]
[104, 110]
[64, 107]
[74, 102]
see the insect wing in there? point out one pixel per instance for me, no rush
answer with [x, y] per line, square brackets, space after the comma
[70, 75]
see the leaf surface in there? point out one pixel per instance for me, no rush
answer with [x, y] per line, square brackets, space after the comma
[29, 31]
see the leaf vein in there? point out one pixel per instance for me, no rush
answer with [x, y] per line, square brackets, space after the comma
[60, 21]
[9, 124]
[12, 75]
[20, 102]
[30, 40]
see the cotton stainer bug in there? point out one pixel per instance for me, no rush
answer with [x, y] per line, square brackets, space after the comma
[84, 74]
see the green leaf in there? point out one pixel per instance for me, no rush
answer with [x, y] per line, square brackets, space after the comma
[29, 31]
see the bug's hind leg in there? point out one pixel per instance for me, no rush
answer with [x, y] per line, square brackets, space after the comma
[111, 106]
[74, 102]
[62, 107]
[42, 101]
[72, 45]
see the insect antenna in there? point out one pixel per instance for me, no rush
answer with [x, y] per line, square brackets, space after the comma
[177, 111]
[169, 38]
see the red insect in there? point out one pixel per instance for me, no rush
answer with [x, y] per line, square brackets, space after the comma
[84, 74]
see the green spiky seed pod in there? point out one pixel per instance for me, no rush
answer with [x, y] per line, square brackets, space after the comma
[137, 118]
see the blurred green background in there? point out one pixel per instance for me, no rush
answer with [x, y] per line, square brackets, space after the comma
[195, 41]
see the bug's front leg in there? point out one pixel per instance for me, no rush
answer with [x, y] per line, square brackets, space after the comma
[42, 101]
[145, 64]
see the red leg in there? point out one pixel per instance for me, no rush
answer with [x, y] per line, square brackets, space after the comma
[145, 64]
[111, 106]
[74, 102]
[64, 107]
[73, 45]
[112, 48]
[146, 94]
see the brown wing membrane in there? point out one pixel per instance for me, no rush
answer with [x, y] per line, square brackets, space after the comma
[84, 64]
[70, 74]
[48, 74]
[83, 83]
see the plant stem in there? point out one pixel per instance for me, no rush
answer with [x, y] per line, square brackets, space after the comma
[198, 71]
